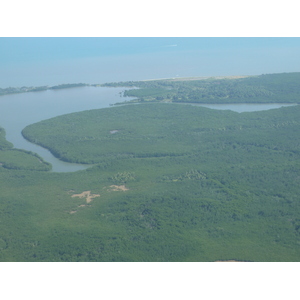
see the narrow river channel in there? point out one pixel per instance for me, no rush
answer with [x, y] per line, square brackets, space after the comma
[19, 110]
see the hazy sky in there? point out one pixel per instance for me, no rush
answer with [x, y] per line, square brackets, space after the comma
[32, 49]
[43, 61]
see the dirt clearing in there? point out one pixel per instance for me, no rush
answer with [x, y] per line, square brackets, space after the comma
[87, 195]
[117, 188]
[229, 261]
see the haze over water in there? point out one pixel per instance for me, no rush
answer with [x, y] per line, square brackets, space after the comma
[52, 61]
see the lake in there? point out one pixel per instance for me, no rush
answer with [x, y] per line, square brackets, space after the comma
[19, 110]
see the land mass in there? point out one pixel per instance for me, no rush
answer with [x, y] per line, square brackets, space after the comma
[269, 88]
[266, 88]
[26, 89]
[177, 182]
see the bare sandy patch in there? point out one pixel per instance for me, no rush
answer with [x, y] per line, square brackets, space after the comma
[229, 261]
[198, 78]
[73, 211]
[117, 188]
[87, 194]
[114, 131]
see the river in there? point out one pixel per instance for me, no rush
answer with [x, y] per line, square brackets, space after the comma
[19, 110]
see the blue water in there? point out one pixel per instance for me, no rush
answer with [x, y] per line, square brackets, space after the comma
[51, 61]
[19, 110]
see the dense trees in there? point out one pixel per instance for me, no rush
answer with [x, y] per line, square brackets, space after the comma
[26, 89]
[176, 182]
[271, 88]
[19, 159]
[201, 185]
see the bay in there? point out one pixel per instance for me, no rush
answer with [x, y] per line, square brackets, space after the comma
[19, 110]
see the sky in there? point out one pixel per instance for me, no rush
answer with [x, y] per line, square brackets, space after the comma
[29, 61]
[27, 49]
[35, 61]
[43, 61]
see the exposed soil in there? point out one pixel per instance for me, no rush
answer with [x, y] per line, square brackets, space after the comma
[117, 188]
[198, 78]
[229, 261]
[201, 78]
[113, 131]
[87, 194]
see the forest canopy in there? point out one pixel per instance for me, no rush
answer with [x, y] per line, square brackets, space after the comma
[269, 88]
[166, 182]
[177, 183]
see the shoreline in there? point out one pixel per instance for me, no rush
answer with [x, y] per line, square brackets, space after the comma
[200, 78]
[26, 89]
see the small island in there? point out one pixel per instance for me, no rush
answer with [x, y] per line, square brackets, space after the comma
[26, 89]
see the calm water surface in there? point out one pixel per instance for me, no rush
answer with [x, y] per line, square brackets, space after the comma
[19, 110]
[245, 107]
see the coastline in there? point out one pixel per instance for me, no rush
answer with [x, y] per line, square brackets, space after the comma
[199, 78]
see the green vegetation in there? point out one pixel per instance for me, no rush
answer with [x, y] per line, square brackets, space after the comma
[124, 177]
[169, 182]
[19, 159]
[270, 88]
[4, 144]
[26, 89]
[203, 185]
[67, 86]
